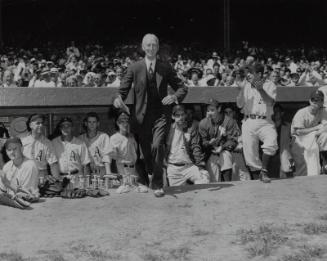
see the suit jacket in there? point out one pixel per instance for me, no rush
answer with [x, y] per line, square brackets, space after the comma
[192, 144]
[137, 76]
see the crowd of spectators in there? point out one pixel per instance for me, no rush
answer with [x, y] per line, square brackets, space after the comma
[93, 65]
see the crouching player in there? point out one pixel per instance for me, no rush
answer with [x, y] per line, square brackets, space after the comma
[19, 179]
[185, 159]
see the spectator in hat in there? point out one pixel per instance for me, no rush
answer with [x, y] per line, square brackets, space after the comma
[310, 137]
[219, 134]
[185, 159]
[195, 76]
[294, 80]
[37, 147]
[118, 77]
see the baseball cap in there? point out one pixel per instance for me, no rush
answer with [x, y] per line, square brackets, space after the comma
[34, 117]
[12, 140]
[122, 115]
[213, 102]
[317, 95]
[178, 108]
[18, 127]
[65, 119]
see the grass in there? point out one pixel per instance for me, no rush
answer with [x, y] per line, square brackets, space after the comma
[314, 228]
[12, 256]
[262, 241]
[177, 254]
[305, 253]
[200, 232]
[93, 254]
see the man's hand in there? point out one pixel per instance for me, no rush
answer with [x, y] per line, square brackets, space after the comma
[217, 150]
[214, 141]
[169, 99]
[119, 103]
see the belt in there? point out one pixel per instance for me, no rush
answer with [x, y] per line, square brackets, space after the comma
[178, 164]
[71, 173]
[253, 116]
[129, 166]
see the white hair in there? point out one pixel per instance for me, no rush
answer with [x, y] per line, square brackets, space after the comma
[150, 36]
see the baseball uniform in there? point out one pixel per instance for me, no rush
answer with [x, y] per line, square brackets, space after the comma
[98, 148]
[258, 125]
[72, 155]
[124, 150]
[25, 176]
[40, 150]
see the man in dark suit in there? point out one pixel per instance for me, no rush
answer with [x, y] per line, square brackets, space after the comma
[152, 108]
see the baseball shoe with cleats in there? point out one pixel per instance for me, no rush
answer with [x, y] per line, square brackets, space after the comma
[159, 193]
[142, 189]
[123, 189]
[264, 176]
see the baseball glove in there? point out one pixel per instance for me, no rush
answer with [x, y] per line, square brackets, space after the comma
[73, 193]
[13, 201]
[50, 189]
[70, 192]
[96, 193]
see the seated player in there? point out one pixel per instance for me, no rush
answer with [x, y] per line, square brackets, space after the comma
[310, 137]
[71, 152]
[185, 159]
[39, 148]
[219, 135]
[282, 163]
[124, 149]
[19, 179]
[97, 143]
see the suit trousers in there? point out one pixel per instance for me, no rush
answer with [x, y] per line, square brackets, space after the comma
[151, 135]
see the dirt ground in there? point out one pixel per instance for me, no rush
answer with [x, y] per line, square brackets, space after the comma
[201, 222]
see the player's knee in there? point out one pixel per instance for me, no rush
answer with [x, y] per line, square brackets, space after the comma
[271, 150]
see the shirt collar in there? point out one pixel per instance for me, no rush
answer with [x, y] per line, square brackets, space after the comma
[148, 62]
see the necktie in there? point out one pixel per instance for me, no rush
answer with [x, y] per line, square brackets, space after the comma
[150, 71]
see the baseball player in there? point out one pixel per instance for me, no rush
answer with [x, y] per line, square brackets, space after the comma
[39, 148]
[256, 99]
[123, 148]
[310, 136]
[219, 135]
[185, 159]
[20, 175]
[71, 152]
[97, 143]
